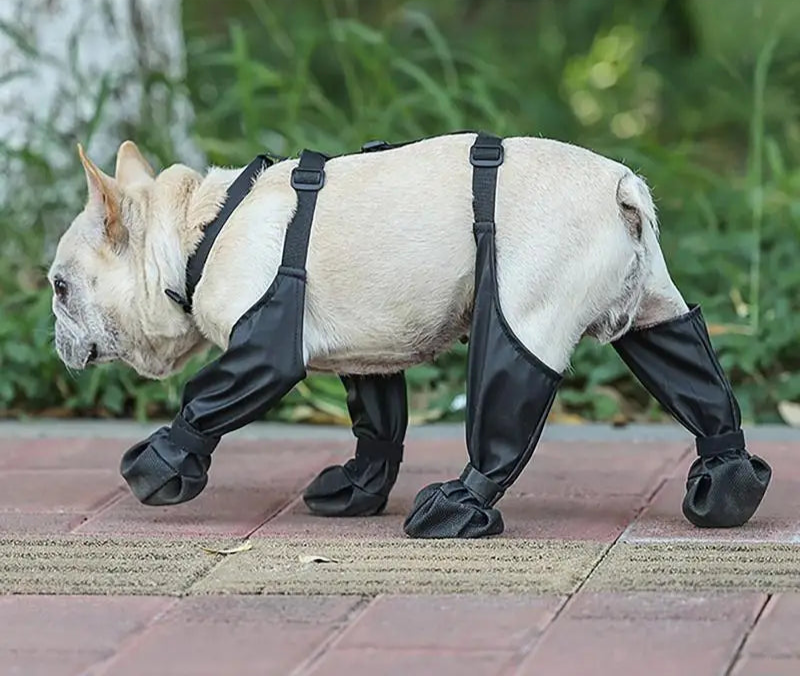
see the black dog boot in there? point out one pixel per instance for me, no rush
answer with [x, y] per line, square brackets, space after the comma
[170, 466]
[379, 411]
[509, 392]
[263, 361]
[675, 361]
[508, 403]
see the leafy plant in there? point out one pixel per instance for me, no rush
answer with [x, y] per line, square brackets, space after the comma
[710, 122]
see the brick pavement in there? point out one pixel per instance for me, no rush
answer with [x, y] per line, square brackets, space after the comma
[597, 572]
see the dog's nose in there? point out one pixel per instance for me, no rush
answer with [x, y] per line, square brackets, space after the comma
[92, 353]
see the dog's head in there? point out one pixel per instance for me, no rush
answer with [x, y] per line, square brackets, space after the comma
[113, 264]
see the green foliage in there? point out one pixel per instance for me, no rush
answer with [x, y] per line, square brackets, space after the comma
[710, 121]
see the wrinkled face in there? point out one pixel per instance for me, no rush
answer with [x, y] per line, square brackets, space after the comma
[108, 296]
[92, 289]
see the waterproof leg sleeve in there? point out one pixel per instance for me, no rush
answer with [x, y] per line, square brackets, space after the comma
[509, 394]
[379, 412]
[262, 363]
[675, 361]
[264, 360]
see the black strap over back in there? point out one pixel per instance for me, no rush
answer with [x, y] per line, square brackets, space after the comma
[236, 192]
[307, 179]
[485, 156]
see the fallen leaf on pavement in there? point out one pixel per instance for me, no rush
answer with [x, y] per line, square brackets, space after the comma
[242, 547]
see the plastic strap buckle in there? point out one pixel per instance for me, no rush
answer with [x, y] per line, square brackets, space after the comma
[486, 154]
[307, 179]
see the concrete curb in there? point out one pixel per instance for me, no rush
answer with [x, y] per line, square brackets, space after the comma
[590, 432]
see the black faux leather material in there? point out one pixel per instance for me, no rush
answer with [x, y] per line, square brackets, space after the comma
[168, 468]
[378, 406]
[509, 390]
[509, 394]
[263, 361]
[677, 364]
[379, 411]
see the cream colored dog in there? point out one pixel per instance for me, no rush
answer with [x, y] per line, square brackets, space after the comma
[391, 259]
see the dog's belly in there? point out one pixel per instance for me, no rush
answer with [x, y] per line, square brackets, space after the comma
[399, 351]
[386, 361]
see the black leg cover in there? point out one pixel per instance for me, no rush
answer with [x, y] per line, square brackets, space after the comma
[509, 390]
[676, 362]
[509, 394]
[379, 410]
[170, 466]
[262, 363]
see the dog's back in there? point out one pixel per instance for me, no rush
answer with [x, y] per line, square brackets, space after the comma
[392, 254]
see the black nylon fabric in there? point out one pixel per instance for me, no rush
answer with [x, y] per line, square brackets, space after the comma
[378, 408]
[162, 470]
[236, 192]
[677, 364]
[509, 394]
[262, 363]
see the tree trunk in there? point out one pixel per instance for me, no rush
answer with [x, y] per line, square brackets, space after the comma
[85, 71]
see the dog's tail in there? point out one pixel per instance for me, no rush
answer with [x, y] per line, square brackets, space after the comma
[635, 244]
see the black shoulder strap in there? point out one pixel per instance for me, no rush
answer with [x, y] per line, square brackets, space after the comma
[307, 180]
[485, 155]
[235, 194]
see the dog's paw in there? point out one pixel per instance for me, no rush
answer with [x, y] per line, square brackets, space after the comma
[725, 490]
[450, 511]
[359, 488]
[163, 469]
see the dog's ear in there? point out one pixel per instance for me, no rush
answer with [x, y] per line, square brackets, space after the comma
[131, 166]
[105, 198]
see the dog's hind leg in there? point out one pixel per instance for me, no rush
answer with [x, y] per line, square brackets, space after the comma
[509, 393]
[670, 352]
[378, 408]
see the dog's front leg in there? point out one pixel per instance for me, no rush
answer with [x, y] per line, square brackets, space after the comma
[378, 408]
[263, 361]
[670, 352]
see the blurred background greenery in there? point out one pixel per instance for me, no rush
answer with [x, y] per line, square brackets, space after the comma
[700, 96]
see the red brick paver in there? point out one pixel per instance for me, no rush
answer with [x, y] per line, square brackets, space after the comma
[424, 635]
[233, 636]
[67, 635]
[368, 661]
[638, 633]
[773, 648]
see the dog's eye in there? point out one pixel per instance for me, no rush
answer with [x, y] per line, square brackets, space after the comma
[61, 288]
